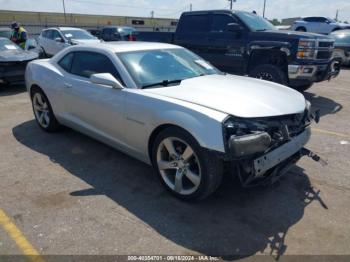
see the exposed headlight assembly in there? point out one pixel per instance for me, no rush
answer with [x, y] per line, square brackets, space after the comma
[245, 137]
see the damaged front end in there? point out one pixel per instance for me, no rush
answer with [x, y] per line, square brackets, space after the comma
[261, 150]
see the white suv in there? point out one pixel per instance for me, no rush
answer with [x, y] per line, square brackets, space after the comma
[320, 25]
[53, 40]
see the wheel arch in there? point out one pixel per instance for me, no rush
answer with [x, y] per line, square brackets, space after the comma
[154, 135]
[273, 56]
[207, 132]
[34, 87]
[301, 27]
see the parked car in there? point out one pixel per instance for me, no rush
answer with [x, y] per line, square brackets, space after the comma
[118, 33]
[13, 61]
[5, 32]
[246, 44]
[342, 46]
[320, 25]
[53, 40]
[166, 106]
[95, 32]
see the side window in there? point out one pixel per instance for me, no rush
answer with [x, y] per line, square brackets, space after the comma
[221, 21]
[195, 23]
[322, 20]
[56, 34]
[311, 19]
[86, 64]
[66, 62]
[49, 34]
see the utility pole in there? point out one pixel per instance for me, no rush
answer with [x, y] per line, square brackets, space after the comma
[64, 11]
[152, 14]
[191, 7]
[264, 8]
[336, 15]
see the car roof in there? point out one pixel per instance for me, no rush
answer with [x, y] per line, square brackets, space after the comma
[128, 46]
[62, 28]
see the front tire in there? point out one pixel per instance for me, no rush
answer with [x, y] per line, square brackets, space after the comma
[185, 169]
[269, 73]
[43, 112]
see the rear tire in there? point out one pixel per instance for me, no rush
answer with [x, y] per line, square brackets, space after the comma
[186, 170]
[269, 73]
[43, 112]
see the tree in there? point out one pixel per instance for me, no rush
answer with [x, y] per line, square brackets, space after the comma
[275, 21]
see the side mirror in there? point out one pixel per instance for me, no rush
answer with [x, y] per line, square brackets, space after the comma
[106, 79]
[59, 40]
[31, 47]
[234, 27]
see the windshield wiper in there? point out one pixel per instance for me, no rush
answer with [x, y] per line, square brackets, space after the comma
[261, 30]
[163, 83]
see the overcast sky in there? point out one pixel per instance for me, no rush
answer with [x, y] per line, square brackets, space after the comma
[173, 8]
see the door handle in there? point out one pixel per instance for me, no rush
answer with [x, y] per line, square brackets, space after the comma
[67, 85]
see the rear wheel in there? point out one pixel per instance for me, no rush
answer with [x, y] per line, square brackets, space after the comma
[43, 113]
[186, 169]
[270, 73]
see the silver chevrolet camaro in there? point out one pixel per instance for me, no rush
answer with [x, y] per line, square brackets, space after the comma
[167, 107]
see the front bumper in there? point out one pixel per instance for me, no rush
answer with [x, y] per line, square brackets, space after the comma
[280, 154]
[314, 73]
[12, 72]
[342, 55]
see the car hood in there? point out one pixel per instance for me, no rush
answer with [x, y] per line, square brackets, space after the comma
[237, 96]
[17, 55]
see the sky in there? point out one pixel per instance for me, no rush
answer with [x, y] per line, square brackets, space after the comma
[173, 8]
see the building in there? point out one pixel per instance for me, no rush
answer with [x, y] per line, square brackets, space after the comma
[36, 21]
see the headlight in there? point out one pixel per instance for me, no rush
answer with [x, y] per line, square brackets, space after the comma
[306, 49]
[245, 137]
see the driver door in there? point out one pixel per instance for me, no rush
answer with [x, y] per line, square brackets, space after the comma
[226, 49]
[91, 107]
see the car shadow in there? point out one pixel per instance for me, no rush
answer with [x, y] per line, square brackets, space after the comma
[10, 90]
[232, 224]
[326, 105]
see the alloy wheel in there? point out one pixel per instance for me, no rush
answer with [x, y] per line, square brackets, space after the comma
[179, 166]
[41, 110]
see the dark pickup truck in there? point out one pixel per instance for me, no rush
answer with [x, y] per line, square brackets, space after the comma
[246, 44]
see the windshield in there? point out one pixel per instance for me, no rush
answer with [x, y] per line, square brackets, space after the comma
[342, 39]
[77, 34]
[255, 22]
[127, 31]
[155, 66]
[6, 45]
[6, 34]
